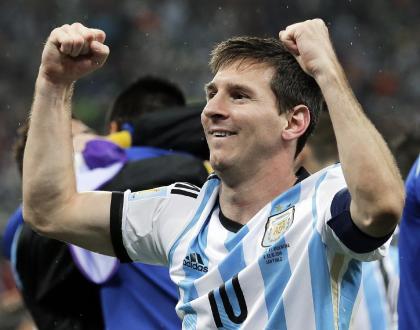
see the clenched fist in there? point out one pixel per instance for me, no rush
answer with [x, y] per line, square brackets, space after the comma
[310, 43]
[71, 52]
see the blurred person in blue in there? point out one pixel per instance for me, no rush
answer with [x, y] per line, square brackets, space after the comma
[409, 253]
[164, 141]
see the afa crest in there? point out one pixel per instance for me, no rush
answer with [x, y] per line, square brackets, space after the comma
[277, 225]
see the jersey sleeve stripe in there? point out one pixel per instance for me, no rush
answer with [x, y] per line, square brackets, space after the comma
[117, 202]
[187, 186]
[343, 226]
[184, 193]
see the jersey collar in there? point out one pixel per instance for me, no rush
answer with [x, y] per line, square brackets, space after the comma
[234, 226]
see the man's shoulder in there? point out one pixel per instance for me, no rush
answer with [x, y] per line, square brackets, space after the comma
[190, 190]
[326, 175]
[180, 195]
[185, 189]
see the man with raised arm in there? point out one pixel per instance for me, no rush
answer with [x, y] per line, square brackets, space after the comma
[258, 246]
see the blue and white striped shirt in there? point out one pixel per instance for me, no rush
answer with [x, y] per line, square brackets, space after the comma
[294, 265]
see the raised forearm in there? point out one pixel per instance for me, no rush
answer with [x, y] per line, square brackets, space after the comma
[48, 174]
[369, 168]
[372, 177]
[51, 203]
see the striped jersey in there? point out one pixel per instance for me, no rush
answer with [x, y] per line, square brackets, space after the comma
[294, 265]
[378, 294]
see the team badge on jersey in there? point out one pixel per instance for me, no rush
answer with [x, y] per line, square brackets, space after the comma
[276, 226]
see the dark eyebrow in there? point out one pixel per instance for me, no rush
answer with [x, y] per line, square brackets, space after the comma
[211, 86]
[241, 88]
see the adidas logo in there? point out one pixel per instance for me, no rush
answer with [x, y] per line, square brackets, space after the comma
[195, 261]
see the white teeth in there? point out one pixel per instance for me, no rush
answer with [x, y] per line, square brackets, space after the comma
[221, 134]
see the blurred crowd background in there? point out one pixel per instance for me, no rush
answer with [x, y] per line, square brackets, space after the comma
[377, 42]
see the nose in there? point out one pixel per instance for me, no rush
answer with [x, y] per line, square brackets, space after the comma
[216, 108]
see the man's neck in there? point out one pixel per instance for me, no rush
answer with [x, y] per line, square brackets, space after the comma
[241, 200]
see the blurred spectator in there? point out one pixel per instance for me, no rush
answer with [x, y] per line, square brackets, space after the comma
[408, 310]
[13, 315]
[168, 144]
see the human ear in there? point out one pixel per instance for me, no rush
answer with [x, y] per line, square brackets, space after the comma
[298, 119]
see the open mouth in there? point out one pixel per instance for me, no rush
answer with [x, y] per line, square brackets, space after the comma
[217, 133]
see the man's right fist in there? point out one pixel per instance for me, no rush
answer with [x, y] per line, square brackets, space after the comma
[71, 52]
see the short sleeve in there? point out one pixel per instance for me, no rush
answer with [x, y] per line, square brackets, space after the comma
[145, 224]
[337, 228]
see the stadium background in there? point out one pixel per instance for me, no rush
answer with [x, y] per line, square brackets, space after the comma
[377, 41]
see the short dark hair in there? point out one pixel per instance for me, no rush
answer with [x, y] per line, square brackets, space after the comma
[147, 94]
[290, 84]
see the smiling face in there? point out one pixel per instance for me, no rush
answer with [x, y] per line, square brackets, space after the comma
[241, 119]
